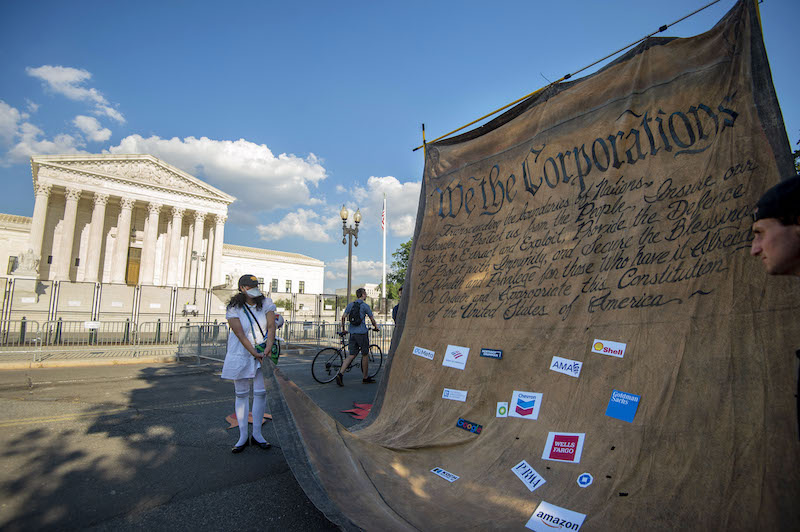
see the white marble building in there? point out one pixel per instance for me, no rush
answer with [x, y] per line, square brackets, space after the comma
[136, 220]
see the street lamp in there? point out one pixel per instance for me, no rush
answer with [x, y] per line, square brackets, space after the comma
[199, 258]
[348, 233]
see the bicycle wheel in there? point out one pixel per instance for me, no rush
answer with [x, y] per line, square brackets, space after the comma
[375, 360]
[326, 365]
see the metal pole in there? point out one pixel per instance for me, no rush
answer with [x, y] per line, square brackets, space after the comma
[349, 263]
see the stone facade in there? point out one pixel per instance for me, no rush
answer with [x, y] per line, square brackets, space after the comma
[134, 219]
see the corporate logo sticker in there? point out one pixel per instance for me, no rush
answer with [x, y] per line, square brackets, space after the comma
[502, 410]
[455, 357]
[607, 347]
[585, 480]
[623, 405]
[564, 446]
[454, 395]
[549, 516]
[525, 405]
[492, 353]
[449, 477]
[528, 475]
[424, 353]
[469, 426]
[566, 366]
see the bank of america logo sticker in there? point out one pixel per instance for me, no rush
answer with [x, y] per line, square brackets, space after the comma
[456, 357]
[525, 405]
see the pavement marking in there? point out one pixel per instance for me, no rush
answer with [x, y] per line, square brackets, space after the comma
[107, 412]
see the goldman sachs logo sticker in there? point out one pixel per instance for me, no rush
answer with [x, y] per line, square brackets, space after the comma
[549, 516]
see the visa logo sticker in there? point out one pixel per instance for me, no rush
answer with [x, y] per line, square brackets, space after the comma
[623, 405]
[502, 410]
[528, 475]
[449, 477]
[566, 366]
[607, 347]
[525, 405]
[454, 395]
[469, 426]
[456, 357]
[492, 353]
[564, 446]
[424, 353]
[548, 516]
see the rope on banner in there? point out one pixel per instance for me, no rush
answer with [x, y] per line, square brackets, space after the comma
[568, 76]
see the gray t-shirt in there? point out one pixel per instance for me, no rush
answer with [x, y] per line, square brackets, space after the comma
[364, 311]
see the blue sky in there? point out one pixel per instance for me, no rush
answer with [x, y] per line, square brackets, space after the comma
[298, 107]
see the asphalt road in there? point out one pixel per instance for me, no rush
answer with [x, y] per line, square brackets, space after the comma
[146, 447]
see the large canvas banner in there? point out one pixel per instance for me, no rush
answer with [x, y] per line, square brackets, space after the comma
[581, 283]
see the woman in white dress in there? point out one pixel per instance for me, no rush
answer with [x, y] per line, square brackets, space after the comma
[251, 317]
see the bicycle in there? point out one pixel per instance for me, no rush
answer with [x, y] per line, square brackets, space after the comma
[328, 361]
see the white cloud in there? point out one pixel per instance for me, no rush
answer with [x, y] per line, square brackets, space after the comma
[402, 200]
[91, 128]
[302, 223]
[9, 123]
[29, 138]
[32, 106]
[364, 271]
[259, 179]
[70, 82]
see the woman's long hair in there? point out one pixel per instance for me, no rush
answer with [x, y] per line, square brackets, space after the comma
[238, 300]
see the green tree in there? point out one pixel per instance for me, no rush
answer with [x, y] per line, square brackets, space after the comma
[283, 303]
[399, 265]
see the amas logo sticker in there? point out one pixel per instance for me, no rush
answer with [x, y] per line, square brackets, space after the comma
[566, 366]
[456, 357]
[607, 347]
[564, 447]
[548, 516]
[525, 405]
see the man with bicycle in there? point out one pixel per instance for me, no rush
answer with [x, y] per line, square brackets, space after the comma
[359, 336]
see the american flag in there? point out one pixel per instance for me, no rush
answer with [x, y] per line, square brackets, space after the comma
[383, 217]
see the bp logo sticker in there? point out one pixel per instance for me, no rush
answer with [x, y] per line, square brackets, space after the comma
[502, 410]
[585, 480]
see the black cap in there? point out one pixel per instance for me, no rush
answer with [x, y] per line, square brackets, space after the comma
[781, 201]
[248, 280]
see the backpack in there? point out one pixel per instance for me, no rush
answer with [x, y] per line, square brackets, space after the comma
[355, 314]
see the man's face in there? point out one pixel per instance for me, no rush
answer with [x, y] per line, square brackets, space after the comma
[778, 246]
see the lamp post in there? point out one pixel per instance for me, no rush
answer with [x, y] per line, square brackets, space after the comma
[348, 233]
[199, 258]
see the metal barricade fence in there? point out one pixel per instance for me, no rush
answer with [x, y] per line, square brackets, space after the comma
[164, 331]
[17, 333]
[208, 341]
[78, 333]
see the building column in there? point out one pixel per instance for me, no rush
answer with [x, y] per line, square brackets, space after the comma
[63, 258]
[216, 256]
[39, 218]
[96, 237]
[148, 267]
[119, 263]
[173, 257]
[197, 246]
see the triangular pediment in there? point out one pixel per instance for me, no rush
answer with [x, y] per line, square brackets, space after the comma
[144, 170]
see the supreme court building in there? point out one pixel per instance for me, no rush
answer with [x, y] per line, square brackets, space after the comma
[138, 221]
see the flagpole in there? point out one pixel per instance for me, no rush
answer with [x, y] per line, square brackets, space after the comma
[383, 226]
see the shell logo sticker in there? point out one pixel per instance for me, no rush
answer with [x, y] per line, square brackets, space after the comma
[607, 347]
[598, 346]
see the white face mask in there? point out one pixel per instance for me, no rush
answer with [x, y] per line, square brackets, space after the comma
[253, 292]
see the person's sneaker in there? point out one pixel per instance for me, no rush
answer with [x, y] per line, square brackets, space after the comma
[367, 380]
[339, 379]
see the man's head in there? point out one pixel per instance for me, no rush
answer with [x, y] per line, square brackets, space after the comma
[361, 293]
[400, 292]
[777, 228]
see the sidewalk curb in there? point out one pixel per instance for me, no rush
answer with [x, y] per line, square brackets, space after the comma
[89, 362]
